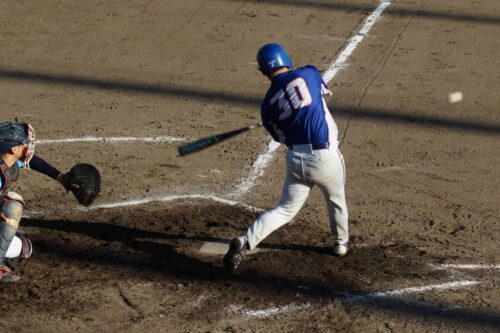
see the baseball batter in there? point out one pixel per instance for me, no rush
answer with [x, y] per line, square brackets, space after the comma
[17, 144]
[295, 113]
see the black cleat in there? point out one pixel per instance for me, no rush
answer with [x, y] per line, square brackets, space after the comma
[235, 254]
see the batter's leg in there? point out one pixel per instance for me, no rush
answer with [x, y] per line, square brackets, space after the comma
[332, 187]
[293, 196]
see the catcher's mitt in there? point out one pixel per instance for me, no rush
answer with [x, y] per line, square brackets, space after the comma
[84, 181]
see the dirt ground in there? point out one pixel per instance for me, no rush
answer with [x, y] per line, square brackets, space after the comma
[422, 173]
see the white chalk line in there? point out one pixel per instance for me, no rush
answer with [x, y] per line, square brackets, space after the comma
[260, 164]
[171, 198]
[116, 139]
[466, 266]
[354, 42]
[27, 214]
[262, 313]
[257, 170]
[411, 290]
[239, 310]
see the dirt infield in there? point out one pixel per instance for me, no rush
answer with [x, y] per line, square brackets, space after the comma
[422, 172]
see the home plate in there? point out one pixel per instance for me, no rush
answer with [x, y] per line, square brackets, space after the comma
[221, 247]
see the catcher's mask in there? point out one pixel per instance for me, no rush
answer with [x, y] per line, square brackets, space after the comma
[13, 134]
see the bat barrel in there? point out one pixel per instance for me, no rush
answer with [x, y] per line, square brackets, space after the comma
[212, 140]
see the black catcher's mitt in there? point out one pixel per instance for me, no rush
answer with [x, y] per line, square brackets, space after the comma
[84, 181]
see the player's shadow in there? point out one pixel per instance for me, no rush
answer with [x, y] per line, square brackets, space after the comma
[141, 239]
[163, 259]
[159, 257]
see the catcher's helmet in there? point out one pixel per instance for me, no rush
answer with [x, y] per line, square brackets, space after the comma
[13, 134]
[272, 57]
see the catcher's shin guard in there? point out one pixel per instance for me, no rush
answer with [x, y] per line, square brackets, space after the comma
[11, 210]
[7, 233]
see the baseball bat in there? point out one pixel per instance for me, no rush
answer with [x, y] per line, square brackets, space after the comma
[204, 143]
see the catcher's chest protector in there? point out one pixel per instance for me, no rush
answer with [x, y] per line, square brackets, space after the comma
[8, 176]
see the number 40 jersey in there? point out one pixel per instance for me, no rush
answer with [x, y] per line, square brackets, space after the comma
[294, 110]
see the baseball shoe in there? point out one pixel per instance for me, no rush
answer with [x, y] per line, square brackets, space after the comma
[235, 254]
[9, 277]
[340, 250]
[6, 275]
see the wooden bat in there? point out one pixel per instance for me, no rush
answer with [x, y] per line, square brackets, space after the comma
[203, 143]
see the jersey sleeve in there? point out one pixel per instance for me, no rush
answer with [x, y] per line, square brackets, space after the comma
[325, 91]
[39, 164]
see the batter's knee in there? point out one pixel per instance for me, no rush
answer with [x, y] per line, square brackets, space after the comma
[12, 209]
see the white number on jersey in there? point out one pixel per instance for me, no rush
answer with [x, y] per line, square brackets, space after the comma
[295, 96]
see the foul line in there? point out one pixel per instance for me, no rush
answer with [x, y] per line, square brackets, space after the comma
[257, 170]
[172, 198]
[340, 63]
[112, 139]
[354, 42]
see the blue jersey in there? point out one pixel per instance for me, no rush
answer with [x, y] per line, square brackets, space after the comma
[294, 110]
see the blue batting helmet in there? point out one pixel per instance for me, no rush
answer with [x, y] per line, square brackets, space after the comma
[272, 57]
[12, 135]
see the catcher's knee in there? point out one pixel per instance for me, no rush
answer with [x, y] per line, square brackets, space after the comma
[12, 209]
[19, 248]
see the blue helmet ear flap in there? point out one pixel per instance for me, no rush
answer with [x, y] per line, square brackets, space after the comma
[271, 57]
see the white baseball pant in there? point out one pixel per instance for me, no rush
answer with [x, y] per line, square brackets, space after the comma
[306, 168]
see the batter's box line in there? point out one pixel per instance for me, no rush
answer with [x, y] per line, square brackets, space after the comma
[168, 198]
[465, 266]
[352, 298]
[112, 139]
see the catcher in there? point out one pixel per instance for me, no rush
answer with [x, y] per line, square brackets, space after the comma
[17, 144]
